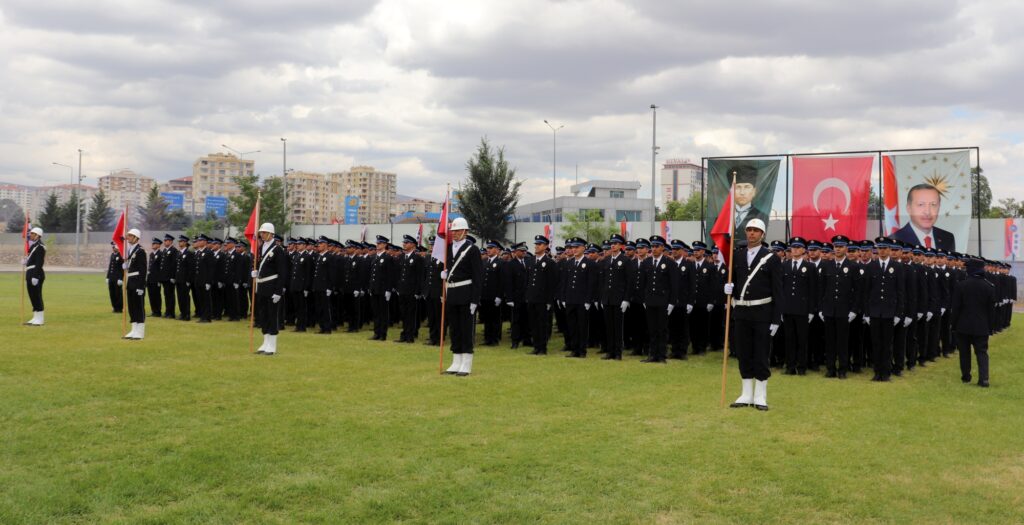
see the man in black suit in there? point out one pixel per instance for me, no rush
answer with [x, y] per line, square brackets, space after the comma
[923, 204]
[799, 278]
[541, 286]
[410, 280]
[660, 284]
[973, 319]
[614, 290]
[464, 277]
[135, 264]
[154, 274]
[382, 268]
[576, 291]
[115, 277]
[882, 297]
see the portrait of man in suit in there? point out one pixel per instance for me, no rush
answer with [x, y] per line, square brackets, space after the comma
[923, 204]
[744, 206]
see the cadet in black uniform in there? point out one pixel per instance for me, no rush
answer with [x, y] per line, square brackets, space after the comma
[300, 280]
[271, 286]
[35, 275]
[541, 288]
[408, 286]
[168, 268]
[490, 294]
[184, 273]
[153, 276]
[973, 318]
[660, 282]
[135, 264]
[838, 305]
[617, 282]
[679, 321]
[706, 287]
[575, 293]
[322, 285]
[203, 278]
[513, 288]
[382, 268]
[883, 305]
[464, 279]
[115, 275]
[798, 284]
[431, 290]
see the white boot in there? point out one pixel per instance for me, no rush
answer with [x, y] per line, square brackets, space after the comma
[747, 397]
[140, 331]
[456, 364]
[263, 347]
[39, 320]
[34, 321]
[467, 365]
[271, 348]
[131, 333]
[761, 395]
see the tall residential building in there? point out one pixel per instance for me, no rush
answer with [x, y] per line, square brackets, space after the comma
[314, 198]
[33, 198]
[213, 176]
[124, 187]
[680, 178]
[375, 189]
[405, 204]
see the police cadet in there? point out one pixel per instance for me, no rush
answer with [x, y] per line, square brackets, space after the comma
[616, 286]
[777, 351]
[203, 278]
[937, 295]
[575, 293]
[513, 288]
[716, 336]
[153, 277]
[706, 287]
[231, 285]
[184, 273]
[636, 317]
[757, 311]
[464, 278]
[217, 284]
[816, 330]
[243, 269]
[660, 278]
[882, 305]
[354, 285]
[838, 305]
[321, 284]
[431, 290]
[168, 267]
[798, 305]
[973, 318]
[379, 289]
[35, 275]
[270, 275]
[300, 282]
[679, 322]
[901, 252]
[135, 265]
[408, 286]
[541, 288]
[114, 278]
[490, 294]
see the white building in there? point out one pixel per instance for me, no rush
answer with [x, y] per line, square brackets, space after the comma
[613, 199]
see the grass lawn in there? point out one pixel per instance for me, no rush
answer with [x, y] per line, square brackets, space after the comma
[187, 427]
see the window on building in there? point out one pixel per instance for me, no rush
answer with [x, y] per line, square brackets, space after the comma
[627, 215]
[220, 172]
[617, 194]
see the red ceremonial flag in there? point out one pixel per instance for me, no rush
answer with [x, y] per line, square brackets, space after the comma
[24, 231]
[252, 227]
[419, 234]
[891, 191]
[625, 230]
[118, 236]
[830, 196]
[441, 243]
[723, 227]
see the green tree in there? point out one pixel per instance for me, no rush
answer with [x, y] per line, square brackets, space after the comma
[178, 220]
[589, 225]
[272, 208]
[13, 215]
[982, 201]
[49, 218]
[100, 213]
[154, 214]
[67, 214]
[1008, 208]
[208, 224]
[490, 195]
[682, 211]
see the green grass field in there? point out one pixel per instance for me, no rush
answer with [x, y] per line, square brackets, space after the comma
[187, 427]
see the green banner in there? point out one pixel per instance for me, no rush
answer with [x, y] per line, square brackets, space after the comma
[755, 191]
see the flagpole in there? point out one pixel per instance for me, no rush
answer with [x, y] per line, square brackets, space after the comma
[728, 298]
[124, 272]
[444, 282]
[255, 281]
[23, 282]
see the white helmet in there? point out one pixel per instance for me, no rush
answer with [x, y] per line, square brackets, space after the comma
[37, 230]
[459, 224]
[267, 227]
[756, 223]
[135, 232]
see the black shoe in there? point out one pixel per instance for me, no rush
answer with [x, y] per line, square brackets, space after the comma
[801, 372]
[965, 380]
[612, 357]
[168, 316]
[876, 378]
[324, 332]
[842, 375]
[739, 405]
[539, 352]
[832, 373]
[515, 345]
[789, 372]
[983, 384]
[636, 353]
[205, 321]
[856, 370]
[677, 356]
[652, 360]
[897, 373]
[577, 356]
[462, 374]
[762, 408]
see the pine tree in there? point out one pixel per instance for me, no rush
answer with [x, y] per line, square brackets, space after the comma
[588, 225]
[49, 218]
[491, 193]
[100, 213]
[16, 221]
[154, 214]
[272, 207]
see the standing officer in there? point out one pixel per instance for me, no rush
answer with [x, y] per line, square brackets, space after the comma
[230, 285]
[464, 280]
[153, 276]
[270, 287]
[705, 289]
[135, 264]
[838, 305]
[575, 294]
[798, 282]
[382, 268]
[431, 290]
[513, 286]
[616, 285]
[300, 281]
[541, 287]
[410, 280]
[35, 275]
[757, 311]
[203, 278]
[660, 284]
[168, 268]
[114, 279]
[490, 294]
[321, 284]
[973, 318]
[883, 305]
[184, 273]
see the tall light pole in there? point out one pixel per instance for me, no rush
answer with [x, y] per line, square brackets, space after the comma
[654, 154]
[284, 177]
[554, 158]
[78, 203]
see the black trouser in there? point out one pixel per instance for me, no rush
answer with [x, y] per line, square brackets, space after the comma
[381, 314]
[116, 299]
[657, 330]
[881, 345]
[136, 307]
[753, 339]
[186, 307]
[461, 327]
[268, 312]
[169, 303]
[540, 326]
[35, 295]
[816, 343]
[679, 331]
[837, 332]
[204, 303]
[490, 316]
[231, 301]
[153, 289]
[855, 348]
[595, 337]
[921, 339]
[699, 328]
[355, 312]
[577, 328]
[933, 337]
[323, 310]
[946, 336]
[299, 300]
[243, 301]
[636, 320]
[410, 324]
[899, 347]
[716, 327]
[796, 327]
[613, 329]
[980, 344]
[520, 323]
[433, 305]
[217, 299]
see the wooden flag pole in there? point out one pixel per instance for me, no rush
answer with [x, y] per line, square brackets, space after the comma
[23, 282]
[728, 298]
[444, 282]
[124, 274]
[255, 281]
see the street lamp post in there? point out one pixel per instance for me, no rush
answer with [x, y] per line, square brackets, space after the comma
[654, 154]
[241, 163]
[554, 158]
[284, 177]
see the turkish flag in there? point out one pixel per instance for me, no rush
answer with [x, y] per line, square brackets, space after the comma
[119, 232]
[252, 228]
[830, 196]
[891, 192]
[723, 226]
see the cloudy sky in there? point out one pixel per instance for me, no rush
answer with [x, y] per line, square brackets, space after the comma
[411, 86]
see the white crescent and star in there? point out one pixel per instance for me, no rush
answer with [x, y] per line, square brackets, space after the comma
[839, 184]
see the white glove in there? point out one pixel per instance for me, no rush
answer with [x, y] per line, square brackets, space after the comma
[511, 304]
[710, 307]
[207, 287]
[275, 298]
[444, 274]
[354, 294]
[120, 282]
[305, 293]
[35, 282]
[586, 306]
[254, 274]
[727, 289]
[235, 285]
[867, 321]
[472, 308]
[108, 281]
[172, 281]
[670, 308]
[772, 329]
[124, 266]
[689, 308]
[919, 316]
[24, 261]
[821, 315]
[810, 317]
[928, 316]
[942, 311]
[624, 306]
[140, 292]
[387, 296]
[220, 285]
[906, 322]
[328, 293]
[895, 321]
[362, 293]
[850, 317]
[561, 303]
[497, 301]
[549, 307]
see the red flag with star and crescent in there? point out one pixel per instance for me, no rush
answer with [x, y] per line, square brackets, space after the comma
[830, 196]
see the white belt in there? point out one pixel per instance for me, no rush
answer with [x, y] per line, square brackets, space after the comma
[460, 283]
[265, 279]
[30, 267]
[133, 274]
[753, 302]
